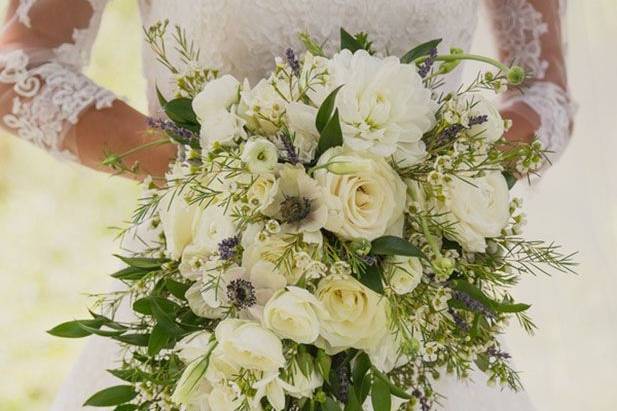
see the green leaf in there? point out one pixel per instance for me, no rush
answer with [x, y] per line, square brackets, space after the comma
[394, 390]
[112, 396]
[158, 339]
[176, 288]
[74, 329]
[352, 402]
[325, 110]
[510, 179]
[349, 42]
[365, 388]
[331, 135]
[477, 294]
[126, 407]
[131, 375]
[361, 366]
[144, 305]
[324, 363]
[330, 405]
[131, 273]
[482, 362]
[180, 111]
[165, 317]
[391, 245]
[372, 278]
[139, 340]
[421, 50]
[145, 263]
[380, 395]
[159, 95]
[102, 333]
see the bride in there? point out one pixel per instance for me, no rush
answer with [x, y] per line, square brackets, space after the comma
[45, 99]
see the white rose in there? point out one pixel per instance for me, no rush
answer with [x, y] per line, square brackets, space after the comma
[217, 94]
[356, 316]
[177, 221]
[248, 345]
[301, 123]
[480, 207]
[404, 273]
[292, 314]
[260, 155]
[368, 201]
[211, 226]
[383, 104]
[261, 193]
[493, 128]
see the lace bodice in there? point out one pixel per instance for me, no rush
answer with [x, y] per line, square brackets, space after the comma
[44, 92]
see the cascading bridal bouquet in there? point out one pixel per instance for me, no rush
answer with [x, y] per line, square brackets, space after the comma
[334, 238]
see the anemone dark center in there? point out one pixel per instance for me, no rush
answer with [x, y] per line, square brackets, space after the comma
[241, 293]
[294, 209]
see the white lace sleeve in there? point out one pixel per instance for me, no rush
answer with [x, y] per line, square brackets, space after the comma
[43, 47]
[529, 33]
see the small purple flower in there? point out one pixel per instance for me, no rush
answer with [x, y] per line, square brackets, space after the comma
[227, 247]
[426, 65]
[291, 155]
[180, 134]
[292, 61]
[459, 321]
[473, 304]
[476, 120]
[369, 260]
[495, 353]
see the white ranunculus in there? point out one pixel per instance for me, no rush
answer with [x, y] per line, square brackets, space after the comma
[301, 123]
[260, 156]
[404, 273]
[480, 207]
[292, 314]
[383, 103]
[250, 346]
[365, 202]
[220, 126]
[177, 221]
[493, 129]
[211, 226]
[299, 202]
[217, 94]
[356, 316]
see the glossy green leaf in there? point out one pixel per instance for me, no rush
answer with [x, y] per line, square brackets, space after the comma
[74, 329]
[330, 405]
[324, 114]
[139, 340]
[180, 111]
[349, 42]
[477, 294]
[101, 332]
[394, 390]
[331, 135]
[158, 339]
[131, 273]
[380, 395]
[145, 263]
[421, 50]
[372, 278]
[126, 407]
[352, 402]
[144, 305]
[176, 288]
[362, 364]
[112, 396]
[324, 363]
[510, 179]
[365, 388]
[391, 245]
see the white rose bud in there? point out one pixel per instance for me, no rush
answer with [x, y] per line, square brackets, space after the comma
[177, 221]
[217, 94]
[260, 156]
[292, 314]
[405, 273]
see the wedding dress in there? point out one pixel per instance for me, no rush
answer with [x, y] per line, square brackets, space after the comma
[44, 92]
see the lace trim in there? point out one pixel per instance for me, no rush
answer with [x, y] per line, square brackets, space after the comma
[519, 27]
[22, 11]
[553, 105]
[48, 96]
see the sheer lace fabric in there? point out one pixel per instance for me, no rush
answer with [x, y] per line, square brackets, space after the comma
[44, 91]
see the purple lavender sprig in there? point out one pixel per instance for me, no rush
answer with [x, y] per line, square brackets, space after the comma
[476, 120]
[228, 247]
[472, 304]
[291, 155]
[495, 353]
[426, 65]
[292, 60]
[179, 134]
[459, 321]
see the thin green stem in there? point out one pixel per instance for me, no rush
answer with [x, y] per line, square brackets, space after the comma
[466, 56]
[144, 147]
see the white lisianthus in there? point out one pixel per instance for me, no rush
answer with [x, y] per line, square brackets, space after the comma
[367, 201]
[248, 345]
[192, 384]
[260, 156]
[262, 107]
[211, 226]
[493, 128]
[357, 317]
[301, 123]
[214, 108]
[479, 207]
[292, 314]
[383, 105]
[300, 201]
[404, 273]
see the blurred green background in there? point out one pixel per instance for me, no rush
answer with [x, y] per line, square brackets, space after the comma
[56, 245]
[54, 219]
